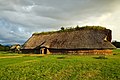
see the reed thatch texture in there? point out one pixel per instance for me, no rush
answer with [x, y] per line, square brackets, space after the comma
[79, 39]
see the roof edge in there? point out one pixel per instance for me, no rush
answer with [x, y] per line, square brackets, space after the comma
[73, 29]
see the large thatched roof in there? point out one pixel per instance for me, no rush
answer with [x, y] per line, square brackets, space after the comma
[79, 39]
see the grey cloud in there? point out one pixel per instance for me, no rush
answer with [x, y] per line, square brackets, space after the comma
[11, 33]
[23, 17]
[69, 9]
[59, 10]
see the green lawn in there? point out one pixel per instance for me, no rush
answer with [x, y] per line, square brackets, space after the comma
[59, 67]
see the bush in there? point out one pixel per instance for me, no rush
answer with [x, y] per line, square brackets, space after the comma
[62, 28]
[116, 44]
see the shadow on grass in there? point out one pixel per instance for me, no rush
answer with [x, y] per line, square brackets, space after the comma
[39, 56]
[62, 57]
[115, 53]
[100, 57]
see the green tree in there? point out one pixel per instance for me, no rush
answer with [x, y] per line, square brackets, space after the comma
[62, 28]
[116, 44]
[77, 27]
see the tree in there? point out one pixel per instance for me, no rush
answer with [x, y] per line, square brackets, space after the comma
[62, 28]
[116, 44]
[4, 48]
[77, 27]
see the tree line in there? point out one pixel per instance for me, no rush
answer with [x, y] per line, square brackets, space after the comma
[116, 44]
[4, 48]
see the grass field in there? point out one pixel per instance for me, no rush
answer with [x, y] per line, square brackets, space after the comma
[59, 67]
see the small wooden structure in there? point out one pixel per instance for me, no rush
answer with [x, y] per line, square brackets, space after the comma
[15, 48]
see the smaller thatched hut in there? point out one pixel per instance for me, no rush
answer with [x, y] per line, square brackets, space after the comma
[15, 48]
[81, 41]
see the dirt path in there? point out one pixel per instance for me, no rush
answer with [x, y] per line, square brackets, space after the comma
[10, 56]
[21, 55]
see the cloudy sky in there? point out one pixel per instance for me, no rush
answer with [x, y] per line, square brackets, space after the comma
[20, 18]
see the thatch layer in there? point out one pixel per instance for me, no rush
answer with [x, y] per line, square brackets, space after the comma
[79, 39]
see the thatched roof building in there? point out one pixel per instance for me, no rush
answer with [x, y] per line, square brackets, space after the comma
[77, 42]
[15, 48]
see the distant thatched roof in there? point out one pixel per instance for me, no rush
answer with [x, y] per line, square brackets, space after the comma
[77, 39]
[14, 46]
